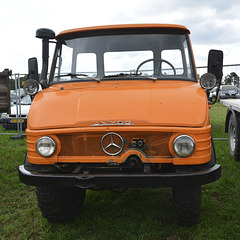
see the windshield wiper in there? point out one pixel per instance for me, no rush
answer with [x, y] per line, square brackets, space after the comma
[122, 75]
[77, 75]
[130, 75]
[151, 78]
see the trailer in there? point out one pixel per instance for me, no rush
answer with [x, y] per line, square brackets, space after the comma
[232, 126]
[5, 91]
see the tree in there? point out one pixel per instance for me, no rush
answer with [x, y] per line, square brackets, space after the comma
[231, 79]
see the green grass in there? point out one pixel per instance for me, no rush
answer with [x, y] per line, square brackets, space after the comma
[217, 119]
[141, 214]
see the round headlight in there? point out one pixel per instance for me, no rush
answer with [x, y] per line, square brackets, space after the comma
[31, 87]
[184, 145]
[46, 146]
[208, 81]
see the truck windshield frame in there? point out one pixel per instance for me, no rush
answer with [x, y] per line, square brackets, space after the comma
[141, 56]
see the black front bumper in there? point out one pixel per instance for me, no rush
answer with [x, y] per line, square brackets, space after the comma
[120, 180]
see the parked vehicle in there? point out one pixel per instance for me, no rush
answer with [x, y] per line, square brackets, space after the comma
[213, 93]
[228, 91]
[122, 107]
[232, 126]
[19, 113]
[16, 95]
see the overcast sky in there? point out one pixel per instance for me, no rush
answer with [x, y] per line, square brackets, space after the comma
[214, 24]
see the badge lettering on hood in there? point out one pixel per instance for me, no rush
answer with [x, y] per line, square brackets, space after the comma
[112, 123]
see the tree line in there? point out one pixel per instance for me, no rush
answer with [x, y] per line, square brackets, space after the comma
[231, 79]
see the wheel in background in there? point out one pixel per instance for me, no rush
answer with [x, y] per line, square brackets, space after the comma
[233, 136]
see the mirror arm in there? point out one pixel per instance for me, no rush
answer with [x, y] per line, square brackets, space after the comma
[43, 84]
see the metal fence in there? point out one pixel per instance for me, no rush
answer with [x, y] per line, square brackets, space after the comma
[18, 121]
[227, 69]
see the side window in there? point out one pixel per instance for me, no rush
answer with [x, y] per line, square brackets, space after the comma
[87, 64]
[63, 64]
[65, 60]
[173, 56]
[189, 72]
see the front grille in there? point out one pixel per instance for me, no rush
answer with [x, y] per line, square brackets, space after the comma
[156, 144]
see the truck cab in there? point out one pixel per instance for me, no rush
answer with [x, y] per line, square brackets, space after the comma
[122, 106]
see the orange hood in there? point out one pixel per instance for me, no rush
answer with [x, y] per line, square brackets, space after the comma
[141, 103]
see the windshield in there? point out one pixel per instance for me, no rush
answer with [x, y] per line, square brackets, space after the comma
[129, 56]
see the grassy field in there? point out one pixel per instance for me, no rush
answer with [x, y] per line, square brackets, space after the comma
[136, 214]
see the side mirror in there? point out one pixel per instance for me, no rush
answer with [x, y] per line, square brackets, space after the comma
[215, 63]
[33, 69]
[215, 66]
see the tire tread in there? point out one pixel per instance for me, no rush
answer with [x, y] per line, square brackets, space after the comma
[59, 204]
[187, 204]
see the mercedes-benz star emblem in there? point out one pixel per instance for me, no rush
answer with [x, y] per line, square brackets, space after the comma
[112, 143]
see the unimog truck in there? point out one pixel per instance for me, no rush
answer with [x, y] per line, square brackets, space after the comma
[121, 107]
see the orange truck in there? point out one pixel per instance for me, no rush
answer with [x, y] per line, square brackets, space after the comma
[121, 107]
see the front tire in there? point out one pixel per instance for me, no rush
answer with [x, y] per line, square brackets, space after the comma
[60, 204]
[187, 204]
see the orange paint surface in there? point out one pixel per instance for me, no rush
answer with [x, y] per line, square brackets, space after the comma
[123, 26]
[75, 116]
[144, 103]
[153, 108]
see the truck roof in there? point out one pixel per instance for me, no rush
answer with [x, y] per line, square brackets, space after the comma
[120, 27]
